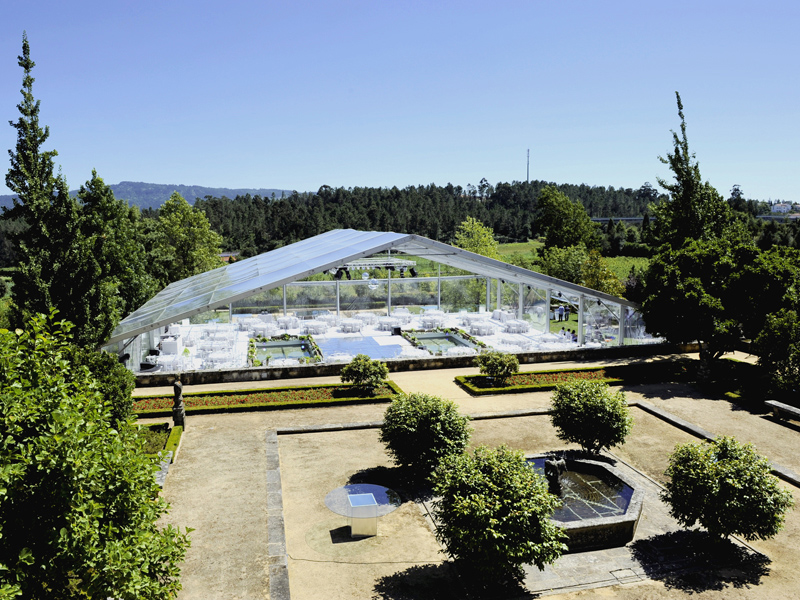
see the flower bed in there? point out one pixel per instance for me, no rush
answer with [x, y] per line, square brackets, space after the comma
[671, 370]
[264, 399]
[482, 385]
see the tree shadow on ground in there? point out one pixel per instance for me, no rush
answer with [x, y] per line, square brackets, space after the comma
[693, 562]
[442, 582]
[663, 390]
[399, 479]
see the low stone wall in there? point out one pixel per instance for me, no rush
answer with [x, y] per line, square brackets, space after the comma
[245, 374]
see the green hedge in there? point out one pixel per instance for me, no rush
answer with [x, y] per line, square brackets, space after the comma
[200, 410]
[482, 385]
[173, 441]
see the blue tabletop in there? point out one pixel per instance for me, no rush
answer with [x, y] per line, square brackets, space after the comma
[338, 500]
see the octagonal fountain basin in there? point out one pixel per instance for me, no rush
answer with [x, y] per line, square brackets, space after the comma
[600, 505]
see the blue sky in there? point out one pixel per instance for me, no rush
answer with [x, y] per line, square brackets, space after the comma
[295, 95]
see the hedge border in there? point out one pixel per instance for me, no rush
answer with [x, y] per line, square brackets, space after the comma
[172, 443]
[615, 374]
[465, 381]
[234, 408]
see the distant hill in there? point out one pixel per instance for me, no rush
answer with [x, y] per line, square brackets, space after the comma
[153, 195]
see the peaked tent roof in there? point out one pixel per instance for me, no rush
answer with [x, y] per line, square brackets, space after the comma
[232, 282]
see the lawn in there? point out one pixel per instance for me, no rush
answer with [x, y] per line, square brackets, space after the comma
[519, 248]
[621, 265]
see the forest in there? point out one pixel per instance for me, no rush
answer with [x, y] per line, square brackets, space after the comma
[253, 224]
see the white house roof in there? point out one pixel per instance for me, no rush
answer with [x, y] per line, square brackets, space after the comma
[227, 284]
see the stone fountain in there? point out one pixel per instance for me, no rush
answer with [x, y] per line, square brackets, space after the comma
[600, 505]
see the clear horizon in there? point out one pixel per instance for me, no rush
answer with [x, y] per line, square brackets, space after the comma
[265, 95]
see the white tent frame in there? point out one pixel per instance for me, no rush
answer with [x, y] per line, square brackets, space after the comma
[227, 284]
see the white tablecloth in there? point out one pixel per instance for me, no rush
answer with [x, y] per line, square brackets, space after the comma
[432, 321]
[288, 322]
[351, 325]
[367, 318]
[315, 327]
[388, 323]
[482, 328]
[515, 326]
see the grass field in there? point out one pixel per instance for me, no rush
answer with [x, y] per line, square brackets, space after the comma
[621, 265]
[519, 248]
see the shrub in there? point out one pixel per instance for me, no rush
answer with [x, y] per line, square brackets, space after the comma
[419, 430]
[497, 365]
[114, 381]
[726, 487]
[80, 511]
[493, 514]
[589, 414]
[365, 372]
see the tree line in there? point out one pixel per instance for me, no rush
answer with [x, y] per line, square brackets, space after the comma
[254, 224]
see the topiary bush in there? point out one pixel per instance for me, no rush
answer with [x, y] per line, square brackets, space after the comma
[364, 372]
[493, 515]
[497, 365]
[726, 487]
[419, 430]
[588, 413]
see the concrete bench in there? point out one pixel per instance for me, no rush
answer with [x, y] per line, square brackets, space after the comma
[781, 410]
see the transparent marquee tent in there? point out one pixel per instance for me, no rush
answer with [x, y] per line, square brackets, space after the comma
[345, 273]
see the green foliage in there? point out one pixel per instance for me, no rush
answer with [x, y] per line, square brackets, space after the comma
[493, 514]
[588, 413]
[688, 296]
[474, 236]
[174, 440]
[252, 361]
[155, 437]
[564, 262]
[82, 258]
[364, 372]
[564, 221]
[259, 223]
[778, 349]
[80, 507]
[498, 365]
[765, 282]
[727, 488]
[621, 265]
[596, 275]
[420, 430]
[694, 211]
[114, 382]
[181, 242]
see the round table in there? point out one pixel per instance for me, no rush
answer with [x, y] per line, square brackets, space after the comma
[337, 500]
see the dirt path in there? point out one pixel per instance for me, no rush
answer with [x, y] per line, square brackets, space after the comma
[217, 486]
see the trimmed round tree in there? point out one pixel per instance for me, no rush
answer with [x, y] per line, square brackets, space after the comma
[727, 488]
[497, 365]
[419, 430]
[493, 514]
[365, 372]
[589, 414]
